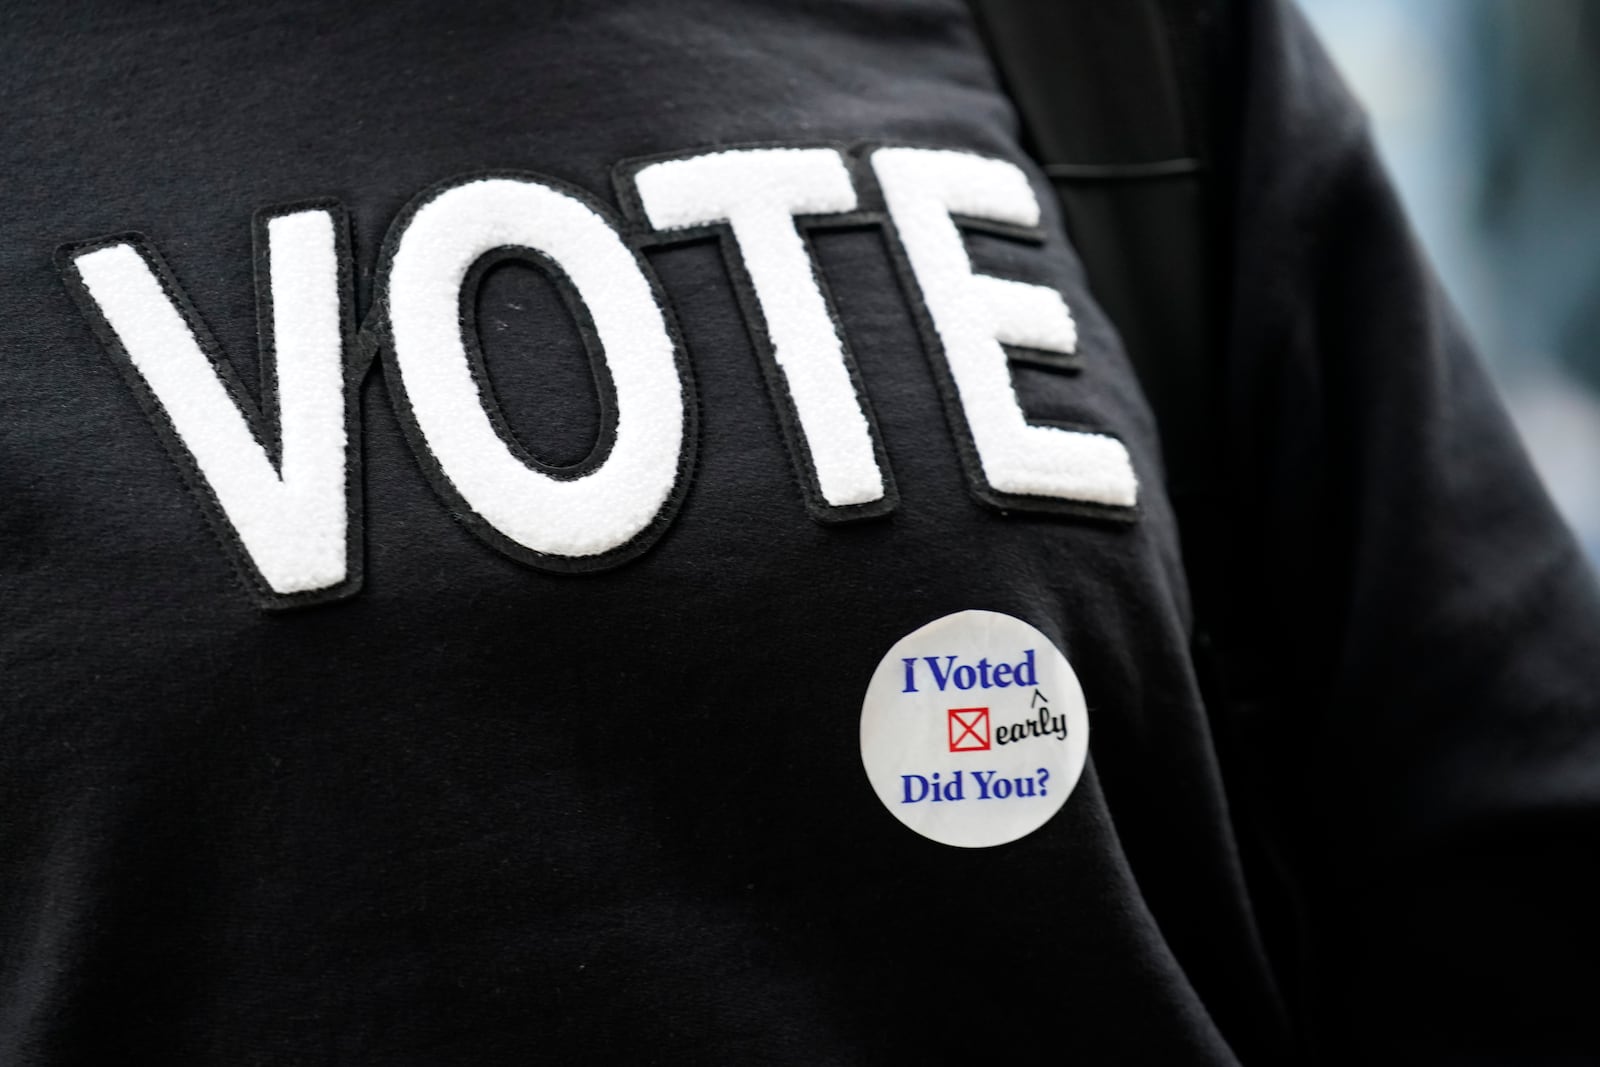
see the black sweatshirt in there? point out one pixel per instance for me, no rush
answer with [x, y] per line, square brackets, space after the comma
[443, 562]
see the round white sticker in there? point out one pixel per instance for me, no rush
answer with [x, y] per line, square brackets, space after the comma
[974, 729]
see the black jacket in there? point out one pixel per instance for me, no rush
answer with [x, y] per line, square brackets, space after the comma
[468, 796]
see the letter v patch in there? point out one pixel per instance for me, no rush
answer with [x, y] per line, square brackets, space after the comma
[277, 484]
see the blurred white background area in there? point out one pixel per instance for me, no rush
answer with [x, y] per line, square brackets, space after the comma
[1487, 113]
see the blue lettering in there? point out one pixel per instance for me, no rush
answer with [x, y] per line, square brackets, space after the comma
[1031, 678]
[922, 785]
[982, 675]
[940, 677]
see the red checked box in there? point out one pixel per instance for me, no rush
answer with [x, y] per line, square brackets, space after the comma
[969, 729]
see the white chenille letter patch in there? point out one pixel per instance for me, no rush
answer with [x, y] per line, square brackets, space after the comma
[757, 193]
[973, 314]
[606, 512]
[290, 522]
[278, 477]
